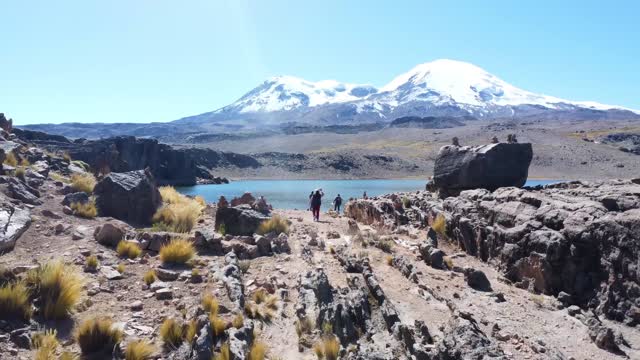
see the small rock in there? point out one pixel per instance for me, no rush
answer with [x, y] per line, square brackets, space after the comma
[164, 294]
[136, 305]
[166, 274]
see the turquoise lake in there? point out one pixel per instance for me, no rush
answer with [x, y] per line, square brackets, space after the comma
[294, 194]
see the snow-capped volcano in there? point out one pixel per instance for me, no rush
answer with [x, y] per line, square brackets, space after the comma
[438, 88]
[282, 93]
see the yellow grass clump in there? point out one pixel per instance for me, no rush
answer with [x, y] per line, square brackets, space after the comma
[97, 335]
[68, 356]
[128, 249]
[55, 176]
[210, 304]
[218, 325]
[276, 225]
[149, 277]
[11, 159]
[91, 262]
[140, 350]
[86, 210]
[238, 321]
[171, 332]
[46, 344]
[440, 225]
[58, 286]
[179, 212]
[14, 301]
[20, 172]
[83, 182]
[224, 352]
[328, 348]
[190, 331]
[258, 351]
[177, 251]
[121, 268]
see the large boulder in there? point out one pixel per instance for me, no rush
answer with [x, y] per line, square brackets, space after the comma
[490, 166]
[239, 220]
[14, 222]
[131, 196]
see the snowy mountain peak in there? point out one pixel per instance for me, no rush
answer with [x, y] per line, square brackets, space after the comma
[282, 93]
[437, 84]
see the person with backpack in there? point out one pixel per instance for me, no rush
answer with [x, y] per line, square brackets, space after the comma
[337, 202]
[315, 201]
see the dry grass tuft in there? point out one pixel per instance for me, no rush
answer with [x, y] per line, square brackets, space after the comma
[244, 265]
[179, 213]
[177, 251]
[58, 287]
[68, 356]
[448, 262]
[11, 159]
[258, 351]
[149, 277]
[190, 331]
[46, 345]
[224, 352]
[389, 260]
[91, 263]
[66, 157]
[440, 225]
[328, 348]
[238, 321]
[128, 249]
[276, 225]
[87, 210]
[218, 325]
[56, 176]
[210, 304]
[83, 182]
[140, 350]
[121, 268]
[304, 326]
[97, 335]
[20, 172]
[171, 332]
[14, 301]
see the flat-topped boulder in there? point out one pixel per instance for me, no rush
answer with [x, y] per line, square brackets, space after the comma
[131, 196]
[489, 167]
[239, 220]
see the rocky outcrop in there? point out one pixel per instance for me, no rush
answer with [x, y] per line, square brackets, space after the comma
[130, 196]
[239, 220]
[14, 221]
[463, 339]
[490, 167]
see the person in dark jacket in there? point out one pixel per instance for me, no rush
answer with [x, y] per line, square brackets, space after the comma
[315, 201]
[337, 202]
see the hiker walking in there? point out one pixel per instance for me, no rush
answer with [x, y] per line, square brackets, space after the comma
[315, 201]
[337, 202]
[364, 196]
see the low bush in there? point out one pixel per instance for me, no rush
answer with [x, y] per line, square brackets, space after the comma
[149, 277]
[276, 225]
[179, 212]
[171, 333]
[97, 335]
[406, 203]
[58, 288]
[46, 345]
[86, 210]
[140, 350]
[244, 265]
[14, 301]
[385, 244]
[83, 182]
[128, 249]
[177, 251]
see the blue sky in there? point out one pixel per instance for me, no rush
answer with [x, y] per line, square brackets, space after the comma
[159, 60]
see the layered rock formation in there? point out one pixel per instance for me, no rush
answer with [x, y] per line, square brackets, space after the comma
[579, 240]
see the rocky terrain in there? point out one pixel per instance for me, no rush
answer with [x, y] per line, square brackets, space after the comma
[538, 273]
